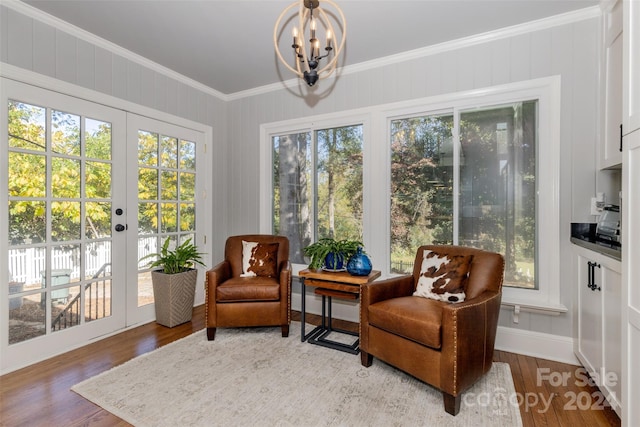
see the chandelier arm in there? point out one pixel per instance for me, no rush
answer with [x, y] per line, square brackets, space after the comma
[275, 43]
[328, 69]
[339, 49]
[302, 17]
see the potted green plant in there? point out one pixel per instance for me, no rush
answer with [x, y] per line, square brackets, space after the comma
[174, 283]
[331, 254]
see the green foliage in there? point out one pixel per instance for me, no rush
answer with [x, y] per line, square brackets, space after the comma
[319, 250]
[183, 258]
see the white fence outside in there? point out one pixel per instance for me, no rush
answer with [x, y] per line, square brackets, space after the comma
[28, 265]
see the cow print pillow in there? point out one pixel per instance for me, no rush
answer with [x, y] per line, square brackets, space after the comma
[259, 259]
[443, 277]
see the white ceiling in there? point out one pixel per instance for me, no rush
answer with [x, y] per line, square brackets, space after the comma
[227, 45]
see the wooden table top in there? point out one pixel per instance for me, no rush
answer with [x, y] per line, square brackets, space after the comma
[339, 277]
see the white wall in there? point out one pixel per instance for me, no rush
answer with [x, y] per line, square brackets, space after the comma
[569, 50]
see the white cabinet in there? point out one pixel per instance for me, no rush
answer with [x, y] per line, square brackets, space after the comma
[631, 279]
[610, 154]
[630, 209]
[631, 66]
[599, 321]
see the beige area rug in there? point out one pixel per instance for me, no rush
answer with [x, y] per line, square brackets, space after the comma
[254, 377]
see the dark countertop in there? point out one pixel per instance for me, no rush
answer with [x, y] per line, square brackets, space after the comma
[583, 234]
[597, 247]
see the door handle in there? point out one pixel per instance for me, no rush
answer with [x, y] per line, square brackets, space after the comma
[120, 227]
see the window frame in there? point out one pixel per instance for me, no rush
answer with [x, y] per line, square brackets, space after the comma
[376, 121]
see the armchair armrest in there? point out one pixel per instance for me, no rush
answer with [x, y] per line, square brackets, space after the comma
[468, 337]
[213, 278]
[218, 274]
[371, 293]
[285, 291]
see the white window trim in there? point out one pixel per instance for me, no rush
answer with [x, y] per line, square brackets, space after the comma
[376, 127]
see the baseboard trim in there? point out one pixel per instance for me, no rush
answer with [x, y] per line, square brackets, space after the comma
[528, 343]
[536, 344]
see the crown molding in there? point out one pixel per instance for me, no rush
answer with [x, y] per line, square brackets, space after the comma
[502, 33]
[71, 29]
[515, 30]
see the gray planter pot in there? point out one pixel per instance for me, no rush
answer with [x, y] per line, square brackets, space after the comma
[174, 296]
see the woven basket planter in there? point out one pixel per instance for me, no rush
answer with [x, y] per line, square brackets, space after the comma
[174, 296]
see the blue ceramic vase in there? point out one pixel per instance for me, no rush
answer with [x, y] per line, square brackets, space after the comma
[334, 262]
[359, 264]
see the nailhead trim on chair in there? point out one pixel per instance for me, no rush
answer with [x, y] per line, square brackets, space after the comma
[206, 299]
[455, 352]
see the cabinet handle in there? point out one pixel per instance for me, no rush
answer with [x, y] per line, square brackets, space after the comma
[621, 133]
[591, 276]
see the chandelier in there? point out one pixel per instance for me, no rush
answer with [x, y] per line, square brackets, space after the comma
[313, 21]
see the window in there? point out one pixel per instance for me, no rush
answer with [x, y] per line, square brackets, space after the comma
[317, 186]
[496, 181]
[478, 168]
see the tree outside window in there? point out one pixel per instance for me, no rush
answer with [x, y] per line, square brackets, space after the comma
[317, 186]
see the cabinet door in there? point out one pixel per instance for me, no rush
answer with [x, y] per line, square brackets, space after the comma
[631, 66]
[611, 143]
[589, 319]
[631, 280]
[611, 376]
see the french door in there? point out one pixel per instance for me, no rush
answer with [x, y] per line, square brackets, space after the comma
[163, 158]
[86, 191]
[64, 275]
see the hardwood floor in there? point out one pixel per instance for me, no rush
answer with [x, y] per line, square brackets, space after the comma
[40, 394]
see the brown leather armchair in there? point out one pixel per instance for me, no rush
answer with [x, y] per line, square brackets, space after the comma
[447, 345]
[234, 300]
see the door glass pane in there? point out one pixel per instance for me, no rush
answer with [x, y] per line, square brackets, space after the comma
[27, 222]
[97, 139]
[421, 186]
[65, 308]
[187, 155]
[27, 126]
[168, 185]
[97, 260]
[147, 184]
[65, 133]
[65, 178]
[168, 217]
[147, 218]
[498, 186]
[97, 220]
[187, 217]
[168, 152]
[147, 148]
[98, 180]
[187, 186]
[65, 221]
[27, 175]
[26, 318]
[97, 300]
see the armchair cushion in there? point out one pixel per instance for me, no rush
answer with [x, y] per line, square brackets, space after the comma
[443, 277]
[248, 289]
[417, 319]
[259, 259]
